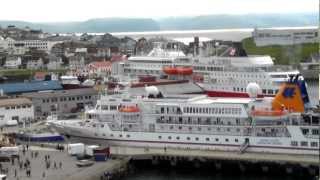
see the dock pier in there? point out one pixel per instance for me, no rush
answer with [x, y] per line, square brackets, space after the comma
[246, 161]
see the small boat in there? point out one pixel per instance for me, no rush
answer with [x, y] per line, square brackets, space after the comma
[84, 163]
[40, 137]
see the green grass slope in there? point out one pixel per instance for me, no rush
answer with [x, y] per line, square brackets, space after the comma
[284, 54]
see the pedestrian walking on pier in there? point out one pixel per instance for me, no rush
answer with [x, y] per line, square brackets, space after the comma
[15, 172]
[44, 174]
[55, 165]
[27, 147]
[60, 165]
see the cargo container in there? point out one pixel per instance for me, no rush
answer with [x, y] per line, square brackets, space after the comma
[76, 149]
[90, 149]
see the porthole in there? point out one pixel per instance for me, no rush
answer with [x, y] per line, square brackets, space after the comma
[207, 139]
[103, 134]
[159, 137]
[128, 135]
[120, 135]
[227, 140]
[217, 139]
[197, 139]
[169, 137]
[188, 138]
[177, 137]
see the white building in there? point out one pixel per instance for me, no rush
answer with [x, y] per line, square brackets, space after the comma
[285, 36]
[40, 44]
[13, 62]
[35, 63]
[76, 62]
[15, 110]
[54, 62]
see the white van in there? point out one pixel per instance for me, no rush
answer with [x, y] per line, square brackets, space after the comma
[9, 151]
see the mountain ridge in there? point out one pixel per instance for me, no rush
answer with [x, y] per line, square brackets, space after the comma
[221, 21]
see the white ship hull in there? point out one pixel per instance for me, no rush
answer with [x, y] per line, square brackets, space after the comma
[225, 143]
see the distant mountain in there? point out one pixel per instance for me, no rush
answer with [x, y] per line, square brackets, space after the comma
[174, 23]
[238, 21]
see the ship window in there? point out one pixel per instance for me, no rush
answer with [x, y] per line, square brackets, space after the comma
[264, 91]
[209, 129]
[7, 107]
[96, 134]
[227, 140]
[104, 107]
[270, 91]
[190, 128]
[314, 144]
[217, 139]
[228, 129]
[304, 143]
[315, 131]
[169, 137]
[171, 127]
[188, 138]
[236, 140]
[111, 135]
[120, 135]
[128, 135]
[207, 139]
[159, 137]
[178, 138]
[305, 131]
[103, 134]
[197, 139]
[102, 125]
[180, 127]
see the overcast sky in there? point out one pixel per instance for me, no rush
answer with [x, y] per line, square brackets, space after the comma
[78, 10]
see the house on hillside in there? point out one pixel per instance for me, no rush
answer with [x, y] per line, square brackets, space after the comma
[99, 68]
[13, 62]
[54, 63]
[35, 63]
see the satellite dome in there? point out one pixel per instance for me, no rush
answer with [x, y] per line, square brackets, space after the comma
[253, 90]
[152, 90]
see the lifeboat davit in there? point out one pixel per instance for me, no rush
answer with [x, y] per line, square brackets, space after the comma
[271, 113]
[129, 109]
[178, 70]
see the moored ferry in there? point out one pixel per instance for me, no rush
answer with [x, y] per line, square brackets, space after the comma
[218, 76]
[277, 124]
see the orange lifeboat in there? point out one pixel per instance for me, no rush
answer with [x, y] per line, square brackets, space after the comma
[185, 70]
[268, 113]
[170, 70]
[129, 109]
[178, 70]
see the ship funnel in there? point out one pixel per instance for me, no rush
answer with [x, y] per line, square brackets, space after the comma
[292, 96]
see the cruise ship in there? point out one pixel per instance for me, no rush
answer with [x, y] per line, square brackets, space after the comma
[218, 76]
[255, 124]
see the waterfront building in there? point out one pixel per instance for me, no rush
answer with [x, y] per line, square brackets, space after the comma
[285, 36]
[61, 102]
[15, 110]
[14, 89]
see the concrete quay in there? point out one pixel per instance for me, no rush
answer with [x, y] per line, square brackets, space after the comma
[68, 170]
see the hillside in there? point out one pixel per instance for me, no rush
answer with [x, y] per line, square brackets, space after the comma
[289, 54]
